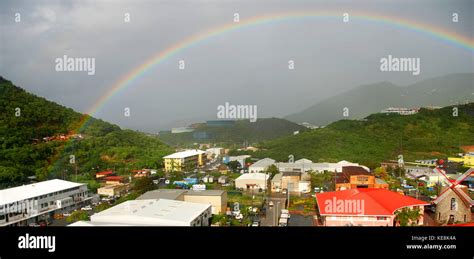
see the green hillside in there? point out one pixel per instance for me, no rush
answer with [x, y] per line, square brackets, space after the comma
[24, 152]
[428, 134]
[365, 100]
[242, 131]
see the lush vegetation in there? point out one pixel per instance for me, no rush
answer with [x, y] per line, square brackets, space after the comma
[25, 119]
[379, 137]
[241, 132]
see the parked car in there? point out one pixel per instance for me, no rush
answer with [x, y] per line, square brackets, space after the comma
[86, 208]
[66, 214]
[167, 181]
[255, 224]
[270, 203]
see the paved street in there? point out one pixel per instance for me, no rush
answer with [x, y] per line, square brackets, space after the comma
[273, 213]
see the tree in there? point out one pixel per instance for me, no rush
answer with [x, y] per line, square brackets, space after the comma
[407, 217]
[233, 165]
[272, 170]
[143, 185]
[381, 172]
[79, 215]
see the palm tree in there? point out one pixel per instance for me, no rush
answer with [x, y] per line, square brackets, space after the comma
[407, 216]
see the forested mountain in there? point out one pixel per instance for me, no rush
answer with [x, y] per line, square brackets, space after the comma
[38, 137]
[427, 134]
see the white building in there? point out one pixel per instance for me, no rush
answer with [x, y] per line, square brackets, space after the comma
[261, 165]
[401, 111]
[154, 212]
[252, 181]
[214, 152]
[241, 159]
[26, 204]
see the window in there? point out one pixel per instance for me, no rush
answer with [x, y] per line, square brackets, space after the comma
[453, 204]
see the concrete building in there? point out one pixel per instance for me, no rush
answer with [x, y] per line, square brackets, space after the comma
[275, 183]
[223, 179]
[114, 189]
[208, 179]
[357, 177]
[154, 212]
[216, 198]
[305, 165]
[252, 181]
[214, 152]
[467, 160]
[183, 160]
[241, 159]
[401, 111]
[181, 130]
[27, 204]
[261, 165]
[365, 207]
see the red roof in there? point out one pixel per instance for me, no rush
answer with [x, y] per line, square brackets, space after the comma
[373, 201]
[469, 224]
[104, 173]
[113, 178]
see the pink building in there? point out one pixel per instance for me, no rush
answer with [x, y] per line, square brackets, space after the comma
[364, 207]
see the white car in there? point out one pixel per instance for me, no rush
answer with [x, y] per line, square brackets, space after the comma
[255, 224]
[270, 203]
[86, 208]
[167, 181]
[67, 214]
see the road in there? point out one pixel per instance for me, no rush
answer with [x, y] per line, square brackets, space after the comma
[273, 213]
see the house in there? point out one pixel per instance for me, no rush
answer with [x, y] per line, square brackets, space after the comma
[216, 198]
[223, 179]
[143, 173]
[101, 175]
[208, 179]
[223, 169]
[290, 181]
[357, 177]
[249, 181]
[261, 165]
[152, 212]
[423, 173]
[364, 207]
[114, 190]
[453, 205]
[111, 180]
[184, 160]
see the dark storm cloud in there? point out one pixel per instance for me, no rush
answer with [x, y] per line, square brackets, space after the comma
[246, 66]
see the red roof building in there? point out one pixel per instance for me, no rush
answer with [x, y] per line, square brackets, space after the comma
[114, 179]
[364, 207]
[103, 174]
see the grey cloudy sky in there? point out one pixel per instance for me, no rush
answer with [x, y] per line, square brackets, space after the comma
[245, 66]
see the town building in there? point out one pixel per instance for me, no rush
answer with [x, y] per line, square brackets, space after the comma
[216, 198]
[401, 111]
[153, 212]
[251, 181]
[261, 165]
[208, 179]
[112, 180]
[223, 179]
[184, 160]
[357, 177]
[27, 204]
[214, 152]
[467, 160]
[241, 159]
[181, 130]
[114, 189]
[365, 207]
[425, 174]
[101, 175]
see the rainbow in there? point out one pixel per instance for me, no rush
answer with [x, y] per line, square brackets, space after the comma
[161, 56]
